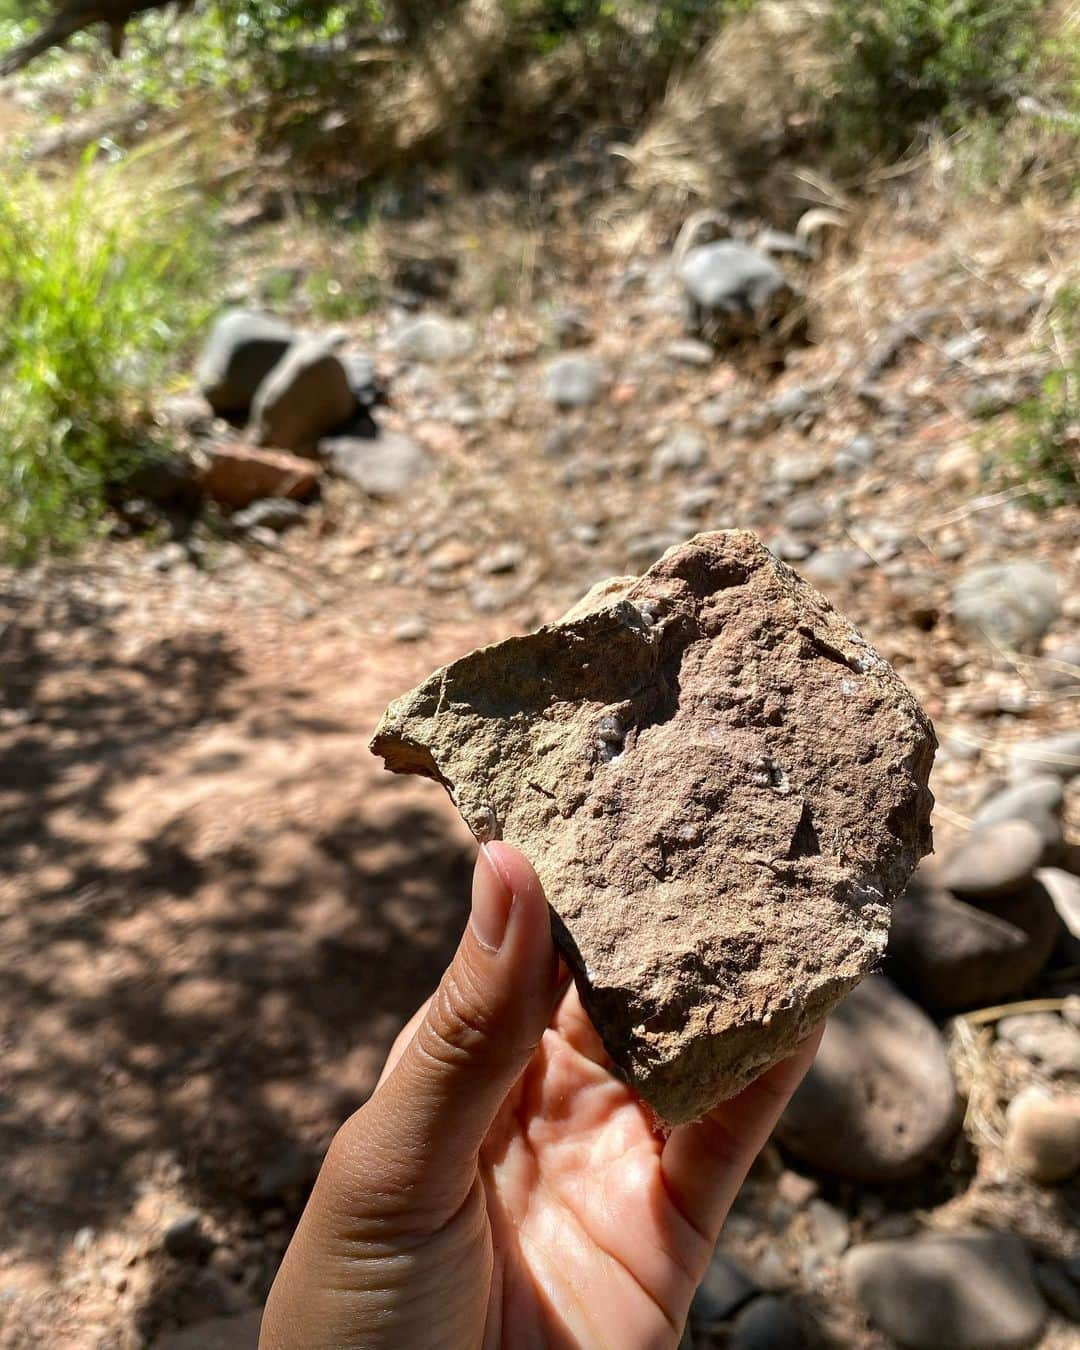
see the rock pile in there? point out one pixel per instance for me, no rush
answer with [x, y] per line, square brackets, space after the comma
[305, 407]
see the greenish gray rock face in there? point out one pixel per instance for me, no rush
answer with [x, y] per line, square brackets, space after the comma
[721, 785]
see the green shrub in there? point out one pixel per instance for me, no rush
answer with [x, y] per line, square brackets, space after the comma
[97, 289]
[1045, 451]
[905, 64]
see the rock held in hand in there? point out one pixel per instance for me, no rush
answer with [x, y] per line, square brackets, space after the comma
[722, 787]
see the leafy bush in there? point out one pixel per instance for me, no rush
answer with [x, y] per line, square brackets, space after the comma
[904, 64]
[97, 288]
[1045, 451]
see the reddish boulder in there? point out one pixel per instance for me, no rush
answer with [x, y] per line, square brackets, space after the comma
[239, 474]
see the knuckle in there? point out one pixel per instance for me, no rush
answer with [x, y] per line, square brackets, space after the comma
[460, 1023]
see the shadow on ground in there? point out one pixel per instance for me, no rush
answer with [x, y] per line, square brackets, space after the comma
[215, 914]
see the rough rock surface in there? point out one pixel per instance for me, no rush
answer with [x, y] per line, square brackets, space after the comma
[880, 1099]
[722, 787]
[964, 1291]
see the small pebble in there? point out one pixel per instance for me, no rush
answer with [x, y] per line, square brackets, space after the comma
[723, 1290]
[798, 469]
[1057, 755]
[857, 455]
[805, 514]
[506, 557]
[691, 352]
[790, 548]
[829, 1228]
[414, 628]
[797, 1190]
[766, 1324]
[1032, 800]
[994, 860]
[1045, 1039]
[1042, 1140]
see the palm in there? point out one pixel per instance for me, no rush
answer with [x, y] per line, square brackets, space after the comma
[502, 1188]
[590, 1249]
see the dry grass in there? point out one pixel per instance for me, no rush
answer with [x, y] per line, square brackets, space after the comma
[722, 119]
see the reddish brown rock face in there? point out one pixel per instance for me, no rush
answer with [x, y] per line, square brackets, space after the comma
[722, 787]
[240, 474]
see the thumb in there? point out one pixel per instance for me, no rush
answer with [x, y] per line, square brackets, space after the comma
[427, 1121]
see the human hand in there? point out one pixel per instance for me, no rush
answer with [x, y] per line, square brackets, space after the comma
[503, 1189]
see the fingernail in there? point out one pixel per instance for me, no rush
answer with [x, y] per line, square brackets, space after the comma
[492, 900]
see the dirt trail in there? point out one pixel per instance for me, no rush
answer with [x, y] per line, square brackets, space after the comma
[217, 909]
[220, 912]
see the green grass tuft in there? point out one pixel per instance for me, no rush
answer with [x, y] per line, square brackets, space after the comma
[1044, 453]
[101, 280]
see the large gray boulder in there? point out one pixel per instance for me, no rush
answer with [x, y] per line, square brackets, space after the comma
[732, 291]
[305, 397]
[880, 1099]
[243, 347]
[721, 785]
